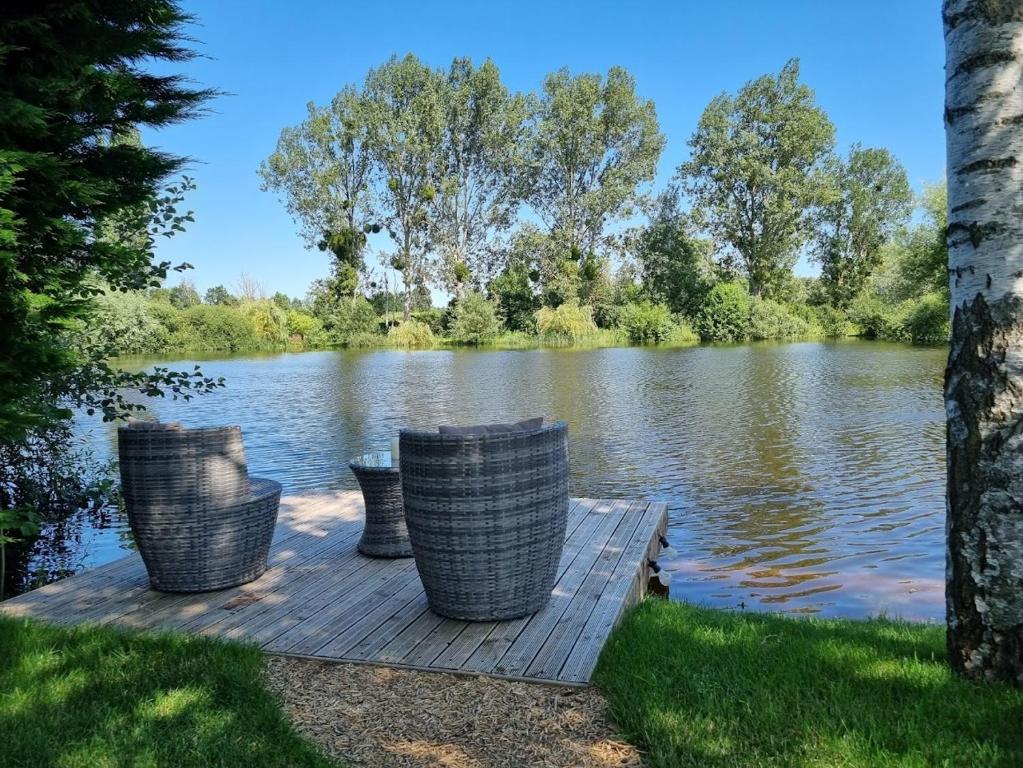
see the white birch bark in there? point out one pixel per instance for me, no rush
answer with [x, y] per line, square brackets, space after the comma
[984, 379]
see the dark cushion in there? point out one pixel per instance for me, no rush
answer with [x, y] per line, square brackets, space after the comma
[153, 425]
[526, 425]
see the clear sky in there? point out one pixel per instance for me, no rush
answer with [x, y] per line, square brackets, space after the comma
[876, 67]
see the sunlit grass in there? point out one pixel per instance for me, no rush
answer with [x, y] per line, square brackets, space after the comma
[699, 687]
[99, 698]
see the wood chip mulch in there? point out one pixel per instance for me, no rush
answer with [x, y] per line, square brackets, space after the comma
[378, 716]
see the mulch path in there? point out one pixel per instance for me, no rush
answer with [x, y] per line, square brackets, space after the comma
[378, 716]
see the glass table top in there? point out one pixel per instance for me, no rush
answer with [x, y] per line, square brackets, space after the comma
[377, 460]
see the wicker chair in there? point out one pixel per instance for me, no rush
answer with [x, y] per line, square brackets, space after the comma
[199, 521]
[486, 515]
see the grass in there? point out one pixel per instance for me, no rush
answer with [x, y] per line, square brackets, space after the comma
[699, 687]
[100, 698]
[690, 686]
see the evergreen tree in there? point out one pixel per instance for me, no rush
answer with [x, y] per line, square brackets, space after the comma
[72, 85]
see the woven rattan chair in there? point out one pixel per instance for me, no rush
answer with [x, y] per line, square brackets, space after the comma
[486, 515]
[199, 521]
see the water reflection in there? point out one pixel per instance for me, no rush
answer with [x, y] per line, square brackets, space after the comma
[799, 477]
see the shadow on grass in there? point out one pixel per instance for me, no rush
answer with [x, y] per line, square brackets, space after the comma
[703, 687]
[98, 697]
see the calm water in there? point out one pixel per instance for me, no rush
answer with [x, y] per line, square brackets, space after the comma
[800, 477]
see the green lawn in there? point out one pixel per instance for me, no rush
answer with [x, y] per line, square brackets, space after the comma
[699, 687]
[98, 698]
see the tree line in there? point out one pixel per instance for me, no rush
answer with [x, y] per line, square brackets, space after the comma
[534, 212]
[533, 199]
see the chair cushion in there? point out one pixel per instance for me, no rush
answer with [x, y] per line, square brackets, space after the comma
[526, 425]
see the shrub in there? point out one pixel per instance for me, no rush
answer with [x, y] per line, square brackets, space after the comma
[769, 319]
[269, 322]
[568, 320]
[365, 341]
[682, 333]
[305, 329]
[411, 335]
[350, 317]
[646, 322]
[833, 321]
[725, 315]
[513, 291]
[476, 319]
[214, 328]
[877, 320]
[433, 317]
[166, 315]
[124, 321]
[609, 315]
[926, 320]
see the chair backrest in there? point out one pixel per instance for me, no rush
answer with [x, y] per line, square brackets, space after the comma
[168, 465]
[500, 466]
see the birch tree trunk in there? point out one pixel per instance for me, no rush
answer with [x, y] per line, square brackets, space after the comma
[984, 378]
[406, 299]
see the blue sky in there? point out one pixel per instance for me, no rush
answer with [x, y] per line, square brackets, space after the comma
[876, 67]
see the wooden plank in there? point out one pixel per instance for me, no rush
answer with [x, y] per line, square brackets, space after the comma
[49, 601]
[170, 610]
[437, 641]
[336, 604]
[305, 570]
[409, 637]
[342, 645]
[554, 652]
[613, 602]
[370, 645]
[178, 611]
[102, 582]
[82, 595]
[460, 672]
[300, 608]
[360, 612]
[602, 521]
[545, 627]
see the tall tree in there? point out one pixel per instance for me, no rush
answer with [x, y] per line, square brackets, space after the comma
[404, 105]
[868, 202]
[184, 295]
[219, 295]
[322, 168]
[984, 377]
[677, 267]
[81, 205]
[73, 80]
[479, 173]
[596, 143]
[915, 260]
[757, 170]
[924, 260]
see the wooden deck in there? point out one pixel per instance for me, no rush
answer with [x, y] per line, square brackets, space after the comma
[321, 599]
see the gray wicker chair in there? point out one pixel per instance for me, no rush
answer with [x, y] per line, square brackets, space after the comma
[486, 515]
[199, 521]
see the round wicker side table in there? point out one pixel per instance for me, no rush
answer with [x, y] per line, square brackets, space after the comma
[385, 534]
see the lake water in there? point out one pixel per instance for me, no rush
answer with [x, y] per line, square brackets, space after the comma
[802, 478]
